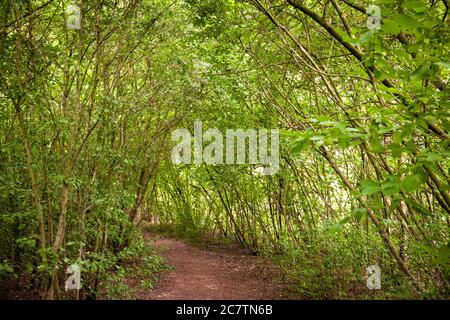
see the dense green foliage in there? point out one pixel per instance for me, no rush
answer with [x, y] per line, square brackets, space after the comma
[363, 113]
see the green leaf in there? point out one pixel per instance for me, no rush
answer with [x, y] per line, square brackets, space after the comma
[390, 26]
[418, 207]
[391, 90]
[365, 37]
[396, 149]
[299, 144]
[421, 72]
[391, 185]
[24, 243]
[335, 228]
[397, 137]
[6, 268]
[441, 64]
[405, 22]
[317, 138]
[377, 147]
[411, 146]
[379, 75]
[376, 204]
[443, 255]
[359, 213]
[432, 157]
[413, 182]
[369, 187]
[416, 6]
[344, 221]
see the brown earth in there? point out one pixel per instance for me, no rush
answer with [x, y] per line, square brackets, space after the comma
[211, 273]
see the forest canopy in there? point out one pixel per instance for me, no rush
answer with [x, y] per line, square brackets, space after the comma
[358, 91]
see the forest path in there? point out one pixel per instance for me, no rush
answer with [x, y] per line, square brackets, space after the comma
[211, 273]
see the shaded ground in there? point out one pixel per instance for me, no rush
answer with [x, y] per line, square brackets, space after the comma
[211, 273]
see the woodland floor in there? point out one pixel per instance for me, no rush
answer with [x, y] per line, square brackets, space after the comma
[211, 272]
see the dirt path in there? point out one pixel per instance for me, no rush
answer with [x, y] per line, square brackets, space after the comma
[211, 274]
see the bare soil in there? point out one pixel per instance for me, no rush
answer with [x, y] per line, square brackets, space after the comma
[212, 273]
